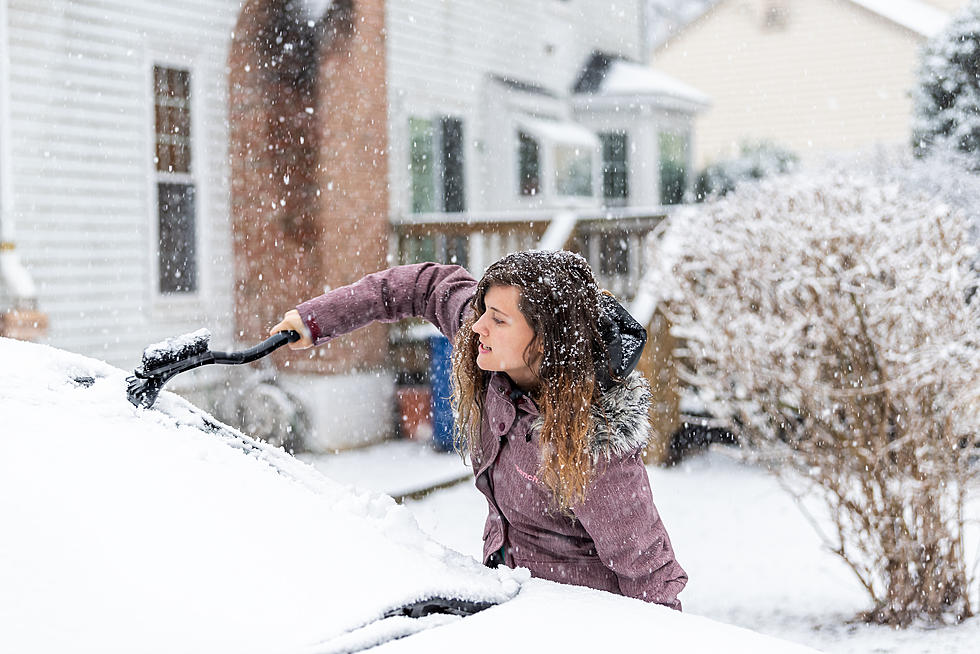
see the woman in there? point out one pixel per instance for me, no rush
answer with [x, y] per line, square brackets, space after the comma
[547, 406]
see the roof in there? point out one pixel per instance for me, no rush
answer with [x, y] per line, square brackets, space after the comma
[523, 86]
[314, 9]
[559, 131]
[914, 15]
[609, 75]
[627, 78]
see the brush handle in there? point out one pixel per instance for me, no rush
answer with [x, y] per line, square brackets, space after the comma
[264, 348]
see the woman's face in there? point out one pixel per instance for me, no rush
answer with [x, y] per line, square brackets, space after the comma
[504, 336]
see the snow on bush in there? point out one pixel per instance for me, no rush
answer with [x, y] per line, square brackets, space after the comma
[947, 99]
[833, 318]
[755, 162]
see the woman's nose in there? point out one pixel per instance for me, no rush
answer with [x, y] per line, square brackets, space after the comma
[480, 326]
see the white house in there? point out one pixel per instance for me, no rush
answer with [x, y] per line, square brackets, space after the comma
[488, 111]
[114, 165]
[814, 76]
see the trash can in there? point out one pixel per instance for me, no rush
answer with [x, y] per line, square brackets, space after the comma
[440, 365]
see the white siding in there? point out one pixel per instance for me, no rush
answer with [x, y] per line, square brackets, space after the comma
[440, 54]
[83, 177]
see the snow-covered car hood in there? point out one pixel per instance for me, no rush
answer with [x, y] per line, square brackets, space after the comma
[129, 529]
[162, 530]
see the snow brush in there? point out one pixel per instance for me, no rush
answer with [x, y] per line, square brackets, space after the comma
[173, 356]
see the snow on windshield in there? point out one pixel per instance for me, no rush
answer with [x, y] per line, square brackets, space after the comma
[140, 530]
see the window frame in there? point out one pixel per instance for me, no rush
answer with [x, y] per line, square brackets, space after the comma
[551, 136]
[163, 303]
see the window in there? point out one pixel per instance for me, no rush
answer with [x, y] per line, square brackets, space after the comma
[776, 15]
[423, 175]
[615, 180]
[673, 167]
[428, 171]
[453, 190]
[177, 235]
[529, 164]
[556, 158]
[573, 170]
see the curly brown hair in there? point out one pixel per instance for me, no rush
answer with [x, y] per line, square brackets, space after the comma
[559, 298]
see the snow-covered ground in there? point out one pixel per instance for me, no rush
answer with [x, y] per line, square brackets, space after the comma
[395, 468]
[753, 560]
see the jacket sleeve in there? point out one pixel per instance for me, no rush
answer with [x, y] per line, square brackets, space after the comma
[435, 292]
[630, 538]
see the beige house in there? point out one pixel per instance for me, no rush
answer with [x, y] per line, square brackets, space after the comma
[814, 76]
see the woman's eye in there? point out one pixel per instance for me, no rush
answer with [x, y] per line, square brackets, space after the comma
[498, 321]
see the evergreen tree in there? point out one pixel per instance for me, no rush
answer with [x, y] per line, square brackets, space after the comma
[947, 99]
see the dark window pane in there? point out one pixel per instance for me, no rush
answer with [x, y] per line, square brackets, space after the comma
[419, 249]
[453, 191]
[529, 165]
[614, 254]
[457, 250]
[615, 170]
[673, 167]
[178, 247]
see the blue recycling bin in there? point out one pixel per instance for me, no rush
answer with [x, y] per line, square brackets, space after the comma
[440, 364]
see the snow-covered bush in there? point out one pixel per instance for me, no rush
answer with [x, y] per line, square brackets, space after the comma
[947, 99]
[756, 161]
[832, 317]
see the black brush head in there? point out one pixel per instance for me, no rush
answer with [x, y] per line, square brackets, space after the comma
[143, 391]
[163, 360]
[177, 348]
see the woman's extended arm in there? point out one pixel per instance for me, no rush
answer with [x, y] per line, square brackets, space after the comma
[435, 292]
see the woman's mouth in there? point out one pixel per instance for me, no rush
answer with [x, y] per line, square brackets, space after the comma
[484, 349]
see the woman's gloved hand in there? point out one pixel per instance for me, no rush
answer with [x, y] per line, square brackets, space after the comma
[292, 321]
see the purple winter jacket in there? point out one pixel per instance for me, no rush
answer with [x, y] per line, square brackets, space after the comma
[616, 540]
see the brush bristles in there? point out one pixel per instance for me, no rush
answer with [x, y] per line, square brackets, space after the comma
[176, 349]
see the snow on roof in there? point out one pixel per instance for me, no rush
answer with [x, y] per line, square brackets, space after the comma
[627, 78]
[913, 15]
[315, 8]
[559, 131]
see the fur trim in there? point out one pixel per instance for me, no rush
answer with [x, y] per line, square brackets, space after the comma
[622, 420]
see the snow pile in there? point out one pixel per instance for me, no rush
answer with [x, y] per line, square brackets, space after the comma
[159, 530]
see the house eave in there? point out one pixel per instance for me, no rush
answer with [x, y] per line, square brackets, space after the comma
[638, 103]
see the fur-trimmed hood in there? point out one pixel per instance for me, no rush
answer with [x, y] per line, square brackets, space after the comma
[622, 420]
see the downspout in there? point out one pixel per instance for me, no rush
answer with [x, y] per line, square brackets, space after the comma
[18, 295]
